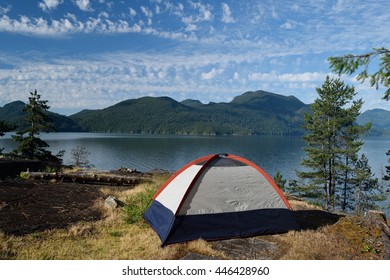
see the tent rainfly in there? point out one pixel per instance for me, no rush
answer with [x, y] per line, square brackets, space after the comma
[218, 196]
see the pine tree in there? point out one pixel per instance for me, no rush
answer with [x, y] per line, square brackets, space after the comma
[279, 180]
[31, 146]
[386, 177]
[4, 127]
[332, 139]
[367, 191]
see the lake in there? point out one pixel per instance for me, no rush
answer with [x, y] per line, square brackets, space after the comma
[147, 152]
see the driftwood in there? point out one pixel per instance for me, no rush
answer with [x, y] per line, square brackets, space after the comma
[83, 177]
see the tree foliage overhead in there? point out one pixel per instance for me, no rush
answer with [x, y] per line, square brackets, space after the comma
[350, 63]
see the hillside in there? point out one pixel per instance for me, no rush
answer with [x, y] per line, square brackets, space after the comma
[252, 113]
[379, 118]
[13, 114]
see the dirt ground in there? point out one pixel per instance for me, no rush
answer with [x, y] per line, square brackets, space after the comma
[29, 206]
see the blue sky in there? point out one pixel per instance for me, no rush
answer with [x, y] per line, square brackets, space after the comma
[90, 54]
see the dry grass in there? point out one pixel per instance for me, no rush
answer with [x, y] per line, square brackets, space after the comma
[315, 245]
[112, 238]
[303, 205]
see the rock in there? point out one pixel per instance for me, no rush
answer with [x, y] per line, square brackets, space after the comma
[112, 202]
[378, 219]
[196, 256]
[246, 248]
[386, 245]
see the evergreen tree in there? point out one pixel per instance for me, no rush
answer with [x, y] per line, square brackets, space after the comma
[4, 127]
[279, 180]
[386, 177]
[351, 63]
[331, 140]
[31, 146]
[367, 191]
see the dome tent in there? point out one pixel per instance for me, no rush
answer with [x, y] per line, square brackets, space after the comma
[218, 196]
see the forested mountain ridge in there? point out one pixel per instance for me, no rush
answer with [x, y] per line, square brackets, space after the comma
[380, 120]
[13, 114]
[252, 113]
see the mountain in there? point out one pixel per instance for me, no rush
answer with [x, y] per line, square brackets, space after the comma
[13, 114]
[192, 103]
[379, 118]
[251, 113]
[254, 113]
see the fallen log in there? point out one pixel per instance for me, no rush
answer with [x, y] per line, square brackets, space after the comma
[82, 177]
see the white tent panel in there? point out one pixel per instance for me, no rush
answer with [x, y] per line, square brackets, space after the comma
[173, 194]
[230, 189]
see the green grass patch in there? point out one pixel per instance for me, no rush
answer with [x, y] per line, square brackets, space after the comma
[136, 204]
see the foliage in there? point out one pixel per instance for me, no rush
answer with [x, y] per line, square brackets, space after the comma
[366, 189]
[4, 127]
[349, 64]
[13, 114]
[386, 177]
[254, 113]
[332, 141]
[80, 156]
[279, 180]
[30, 145]
[136, 205]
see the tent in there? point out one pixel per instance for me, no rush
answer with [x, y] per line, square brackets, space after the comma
[218, 196]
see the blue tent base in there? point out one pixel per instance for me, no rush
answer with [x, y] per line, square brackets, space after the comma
[218, 226]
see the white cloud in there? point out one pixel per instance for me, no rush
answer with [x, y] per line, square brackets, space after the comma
[4, 10]
[157, 9]
[191, 27]
[203, 13]
[67, 25]
[47, 5]
[289, 77]
[289, 24]
[132, 12]
[84, 5]
[146, 12]
[227, 14]
[211, 74]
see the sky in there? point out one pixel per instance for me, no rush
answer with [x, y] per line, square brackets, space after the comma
[91, 54]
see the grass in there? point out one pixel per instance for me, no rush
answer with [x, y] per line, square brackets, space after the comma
[123, 234]
[112, 238]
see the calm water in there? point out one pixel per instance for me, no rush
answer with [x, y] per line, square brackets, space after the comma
[147, 152]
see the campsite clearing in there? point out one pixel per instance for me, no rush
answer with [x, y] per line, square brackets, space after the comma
[55, 220]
